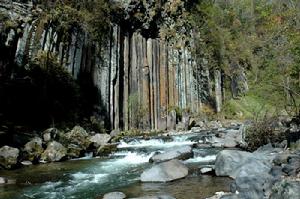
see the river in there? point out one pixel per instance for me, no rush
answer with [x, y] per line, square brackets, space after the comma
[89, 178]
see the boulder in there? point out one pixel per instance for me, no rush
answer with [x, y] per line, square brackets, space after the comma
[115, 133]
[214, 125]
[107, 149]
[33, 149]
[77, 136]
[230, 143]
[281, 158]
[232, 162]
[8, 157]
[2, 180]
[254, 186]
[181, 153]
[286, 189]
[100, 139]
[54, 152]
[114, 195]
[49, 134]
[165, 172]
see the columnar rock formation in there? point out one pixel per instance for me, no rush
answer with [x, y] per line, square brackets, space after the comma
[139, 79]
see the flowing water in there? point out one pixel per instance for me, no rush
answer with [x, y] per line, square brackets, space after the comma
[92, 177]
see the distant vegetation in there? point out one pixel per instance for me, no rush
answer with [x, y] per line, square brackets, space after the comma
[261, 38]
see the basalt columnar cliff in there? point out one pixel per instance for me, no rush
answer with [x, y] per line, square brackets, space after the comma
[139, 73]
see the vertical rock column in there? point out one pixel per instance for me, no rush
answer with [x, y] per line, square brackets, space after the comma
[218, 90]
[146, 88]
[163, 85]
[151, 86]
[126, 82]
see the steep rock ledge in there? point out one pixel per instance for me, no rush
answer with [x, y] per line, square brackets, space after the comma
[138, 78]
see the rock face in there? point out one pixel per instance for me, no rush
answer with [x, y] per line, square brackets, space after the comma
[8, 157]
[33, 149]
[165, 172]
[54, 152]
[132, 66]
[114, 195]
[181, 153]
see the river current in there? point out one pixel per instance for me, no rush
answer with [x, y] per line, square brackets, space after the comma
[89, 177]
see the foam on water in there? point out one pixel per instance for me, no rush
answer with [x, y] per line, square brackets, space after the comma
[154, 143]
[209, 158]
[93, 178]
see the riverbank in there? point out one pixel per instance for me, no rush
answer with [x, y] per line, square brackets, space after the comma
[93, 177]
[211, 159]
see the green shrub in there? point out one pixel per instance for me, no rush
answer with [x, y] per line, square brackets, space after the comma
[263, 132]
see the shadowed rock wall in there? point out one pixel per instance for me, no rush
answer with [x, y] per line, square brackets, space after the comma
[138, 79]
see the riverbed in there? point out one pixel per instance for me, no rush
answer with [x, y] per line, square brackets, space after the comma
[91, 177]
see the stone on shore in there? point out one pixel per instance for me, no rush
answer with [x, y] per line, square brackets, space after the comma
[8, 157]
[165, 172]
[55, 152]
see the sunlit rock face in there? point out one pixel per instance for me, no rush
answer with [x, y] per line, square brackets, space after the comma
[139, 72]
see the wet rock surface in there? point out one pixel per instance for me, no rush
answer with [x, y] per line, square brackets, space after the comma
[8, 157]
[165, 172]
[33, 149]
[54, 152]
[266, 173]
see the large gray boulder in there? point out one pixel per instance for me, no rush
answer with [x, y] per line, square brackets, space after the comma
[114, 195]
[254, 186]
[77, 141]
[234, 163]
[181, 153]
[77, 136]
[54, 152]
[165, 172]
[8, 157]
[228, 161]
[33, 149]
[100, 139]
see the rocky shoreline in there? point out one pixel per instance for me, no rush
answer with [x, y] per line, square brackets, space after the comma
[268, 172]
[53, 146]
